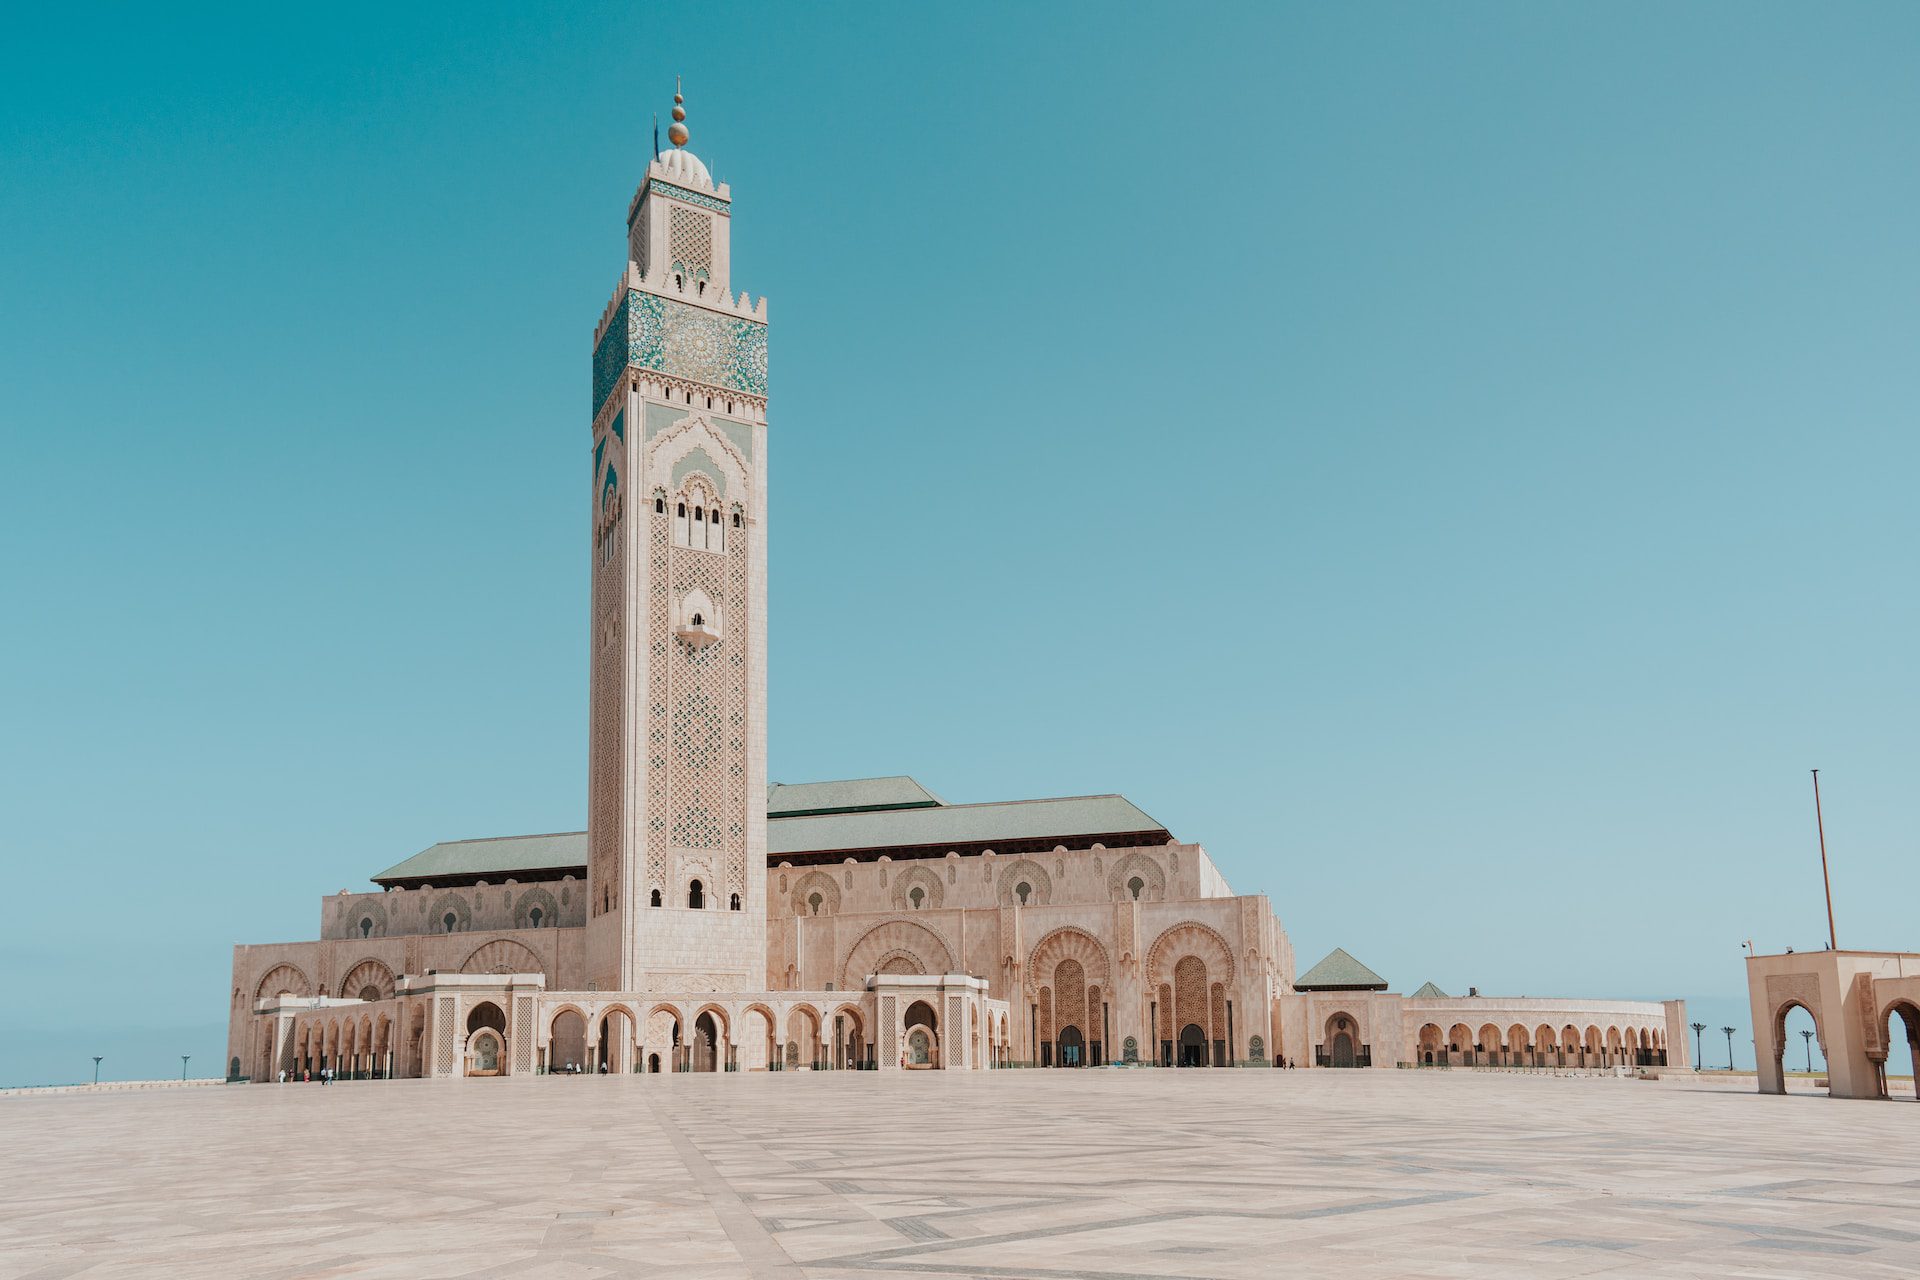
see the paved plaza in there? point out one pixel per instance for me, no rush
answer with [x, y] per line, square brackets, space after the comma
[1122, 1175]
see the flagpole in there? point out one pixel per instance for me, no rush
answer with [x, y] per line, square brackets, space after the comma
[1826, 880]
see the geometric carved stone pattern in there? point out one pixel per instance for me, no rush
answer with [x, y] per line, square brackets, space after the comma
[443, 1032]
[523, 1035]
[707, 790]
[690, 242]
[956, 1040]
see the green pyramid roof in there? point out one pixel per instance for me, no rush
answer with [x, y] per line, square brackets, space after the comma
[1428, 991]
[1339, 972]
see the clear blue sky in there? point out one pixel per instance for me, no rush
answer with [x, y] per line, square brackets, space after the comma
[1456, 462]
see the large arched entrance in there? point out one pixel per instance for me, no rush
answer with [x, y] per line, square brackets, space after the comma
[1342, 1053]
[1073, 1048]
[1341, 1046]
[1193, 1045]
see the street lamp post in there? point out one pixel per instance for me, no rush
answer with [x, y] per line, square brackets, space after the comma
[1698, 1061]
[1808, 1037]
[96, 1067]
[183, 1066]
[1728, 1032]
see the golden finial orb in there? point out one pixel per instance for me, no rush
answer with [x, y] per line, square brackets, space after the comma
[677, 131]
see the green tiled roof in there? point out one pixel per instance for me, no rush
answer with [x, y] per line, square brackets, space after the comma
[962, 824]
[855, 795]
[838, 830]
[1339, 972]
[501, 856]
[1428, 991]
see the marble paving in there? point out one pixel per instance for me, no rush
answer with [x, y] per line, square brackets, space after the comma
[1048, 1175]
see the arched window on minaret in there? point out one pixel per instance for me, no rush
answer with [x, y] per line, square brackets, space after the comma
[680, 524]
[696, 895]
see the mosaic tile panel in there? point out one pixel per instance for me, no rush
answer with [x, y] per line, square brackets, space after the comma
[684, 341]
[700, 199]
[699, 345]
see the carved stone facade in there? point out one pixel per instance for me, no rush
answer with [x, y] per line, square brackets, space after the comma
[898, 933]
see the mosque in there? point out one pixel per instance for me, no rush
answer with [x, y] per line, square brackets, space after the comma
[707, 920]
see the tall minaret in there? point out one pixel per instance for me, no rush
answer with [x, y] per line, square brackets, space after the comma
[677, 743]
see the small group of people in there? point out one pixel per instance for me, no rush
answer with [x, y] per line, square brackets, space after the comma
[325, 1075]
[574, 1069]
[1285, 1064]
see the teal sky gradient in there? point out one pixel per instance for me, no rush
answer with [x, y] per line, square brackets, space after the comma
[1456, 462]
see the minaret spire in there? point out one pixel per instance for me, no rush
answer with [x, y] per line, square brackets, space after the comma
[677, 131]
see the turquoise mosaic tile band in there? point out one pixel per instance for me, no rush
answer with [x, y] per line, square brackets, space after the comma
[610, 358]
[692, 197]
[682, 341]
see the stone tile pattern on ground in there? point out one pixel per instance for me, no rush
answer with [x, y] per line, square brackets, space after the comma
[1043, 1175]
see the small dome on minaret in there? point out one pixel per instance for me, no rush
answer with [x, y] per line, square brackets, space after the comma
[682, 165]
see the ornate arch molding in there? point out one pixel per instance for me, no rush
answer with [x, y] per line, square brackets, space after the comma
[450, 902]
[816, 882]
[1150, 873]
[372, 911]
[503, 955]
[695, 433]
[282, 976]
[368, 973]
[523, 910]
[932, 891]
[879, 943]
[1034, 875]
[1068, 943]
[1190, 937]
[552, 1018]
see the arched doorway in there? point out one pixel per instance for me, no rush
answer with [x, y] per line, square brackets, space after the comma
[706, 1043]
[1073, 1048]
[923, 1036]
[661, 1039]
[803, 1038]
[849, 1044]
[567, 1046]
[1903, 1025]
[485, 1053]
[486, 1040]
[1341, 1046]
[614, 1049]
[1193, 1045]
